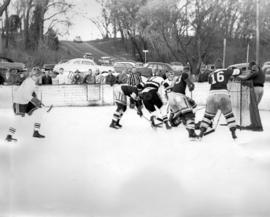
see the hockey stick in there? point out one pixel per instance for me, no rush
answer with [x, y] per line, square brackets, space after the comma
[157, 125]
[215, 127]
[198, 108]
[49, 109]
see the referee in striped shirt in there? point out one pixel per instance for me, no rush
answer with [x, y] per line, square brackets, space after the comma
[134, 78]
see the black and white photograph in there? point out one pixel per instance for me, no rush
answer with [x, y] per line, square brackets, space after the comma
[134, 108]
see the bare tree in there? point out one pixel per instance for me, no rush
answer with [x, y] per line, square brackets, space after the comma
[4, 6]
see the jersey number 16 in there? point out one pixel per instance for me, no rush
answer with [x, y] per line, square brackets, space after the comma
[217, 77]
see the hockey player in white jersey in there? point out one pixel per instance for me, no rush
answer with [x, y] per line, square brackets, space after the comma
[151, 99]
[164, 92]
[26, 102]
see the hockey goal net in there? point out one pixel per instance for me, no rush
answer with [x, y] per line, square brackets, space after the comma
[244, 105]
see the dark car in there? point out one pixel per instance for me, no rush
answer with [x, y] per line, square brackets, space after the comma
[10, 64]
[77, 39]
[48, 67]
[120, 66]
[106, 60]
[88, 56]
[152, 66]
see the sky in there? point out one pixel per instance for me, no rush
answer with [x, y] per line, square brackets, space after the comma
[81, 25]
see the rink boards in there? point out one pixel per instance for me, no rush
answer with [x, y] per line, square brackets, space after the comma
[87, 95]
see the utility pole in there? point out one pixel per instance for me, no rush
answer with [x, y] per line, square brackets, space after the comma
[186, 13]
[145, 52]
[247, 53]
[224, 53]
[257, 31]
[1, 33]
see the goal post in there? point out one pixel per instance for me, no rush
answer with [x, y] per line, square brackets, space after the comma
[245, 106]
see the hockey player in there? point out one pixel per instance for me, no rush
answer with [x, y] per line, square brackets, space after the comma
[180, 105]
[219, 99]
[164, 91]
[151, 98]
[26, 102]
[121, 92]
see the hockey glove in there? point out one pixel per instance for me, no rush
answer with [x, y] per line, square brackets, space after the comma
[132, 105]
[139, 112]
[36, 102]
[192, 102]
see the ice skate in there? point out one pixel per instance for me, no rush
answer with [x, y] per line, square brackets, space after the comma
[114, 125]
[233, 133]
[153, 124]
[118, 124]
[192, 135]
[9, 138]
[168, 127]
[36, 134]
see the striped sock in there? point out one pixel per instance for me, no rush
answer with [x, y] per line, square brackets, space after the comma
[36, 126]
[116, 116]
[12, 131]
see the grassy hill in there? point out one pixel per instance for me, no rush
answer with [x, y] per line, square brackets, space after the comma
[68, 50]
[99, 48]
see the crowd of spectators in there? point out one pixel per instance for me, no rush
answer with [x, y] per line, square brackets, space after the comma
[90, 77]
[49, 77]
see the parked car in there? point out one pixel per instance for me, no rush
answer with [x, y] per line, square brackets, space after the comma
[120, 66]
[106, 60]
[83, 65]
[48, 67]
[88, 56]
[267, 74]
[77, 39]
[266, 65]
[10, 64]
[139, 64]
[149, 67]
[177, 66]
[118, 59]
[266, 69]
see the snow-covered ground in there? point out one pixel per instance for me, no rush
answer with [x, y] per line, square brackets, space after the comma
[85, 169]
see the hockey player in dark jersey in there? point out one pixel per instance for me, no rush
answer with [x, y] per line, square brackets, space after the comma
[180, 104]
[121, 92]
[219, 99]
[151, 99]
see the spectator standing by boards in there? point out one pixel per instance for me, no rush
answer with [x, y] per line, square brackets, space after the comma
[46, 78]
[110, 79]
[256, 75]
[77, 78]
[122, 78]
[89, 78]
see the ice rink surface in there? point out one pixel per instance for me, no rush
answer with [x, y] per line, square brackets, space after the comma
[85, 169]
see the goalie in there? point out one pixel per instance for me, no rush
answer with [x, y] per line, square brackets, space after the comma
[26, 102]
